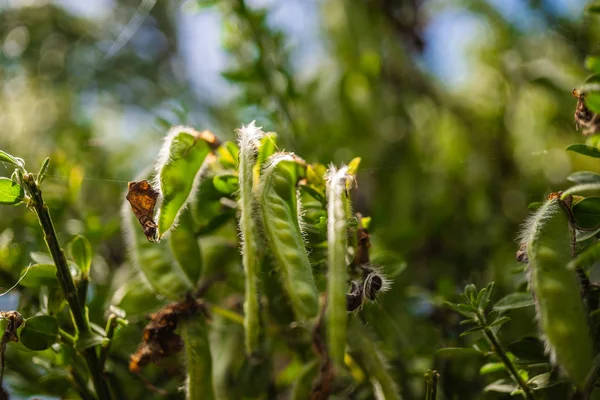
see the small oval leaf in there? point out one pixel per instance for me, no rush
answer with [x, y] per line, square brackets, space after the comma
[10, 192]
[584, 177]
[7, 158]
[82, 253]
[179, 165]
[584, 149]
[39, 275]
[39, 333]
[513, 301]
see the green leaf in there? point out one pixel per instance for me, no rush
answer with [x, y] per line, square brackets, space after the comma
[587, 257]
[136, 297]
[500, 321]
[39, 275]
[7, 158]
[155, 261]
[226, 184]
[593, 64]
[529, 349]
[463, 309]
[457, 353]
[471, 331]
[43, 169]
[501, 386]
[10, 192]
[594, 8]
[194, 333]
[491, 368]
[587, 212]
[592, 100]
[471, 293]
[179, 165]
[584, 149]
[266, 148]
[228, 155]
[185, 248]
[513, 301]
[90, 339]
[583, 190]
[81, 251]
[584, 177]
[39, 333]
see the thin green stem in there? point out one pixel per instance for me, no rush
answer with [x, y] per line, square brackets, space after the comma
[66, 283]
[499, 350]
[431, 377]
[66, 337]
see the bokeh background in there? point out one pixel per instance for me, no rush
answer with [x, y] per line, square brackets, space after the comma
[460, 110]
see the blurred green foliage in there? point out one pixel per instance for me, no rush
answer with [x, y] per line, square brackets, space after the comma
[446, 174]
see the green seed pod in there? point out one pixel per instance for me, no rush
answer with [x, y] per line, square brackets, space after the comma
[560, 311]
[278, 202]
[247, 138]
[337, 275]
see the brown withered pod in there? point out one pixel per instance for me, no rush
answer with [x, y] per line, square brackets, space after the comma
[585, 119]
[159, 339]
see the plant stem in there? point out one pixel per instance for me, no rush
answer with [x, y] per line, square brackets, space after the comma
[499, 350]
[431, 377]
[66, 283]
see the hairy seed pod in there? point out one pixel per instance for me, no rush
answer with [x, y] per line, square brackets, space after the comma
[337, 274]
[247, 138]
[279, 206]
[354, 298]
[373, 284]
[560, 311]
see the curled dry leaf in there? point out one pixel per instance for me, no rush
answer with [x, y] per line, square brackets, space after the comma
[142, 197]
[159, 339]
[586, 119]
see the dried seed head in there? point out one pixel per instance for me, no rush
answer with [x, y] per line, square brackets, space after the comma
[354, 298]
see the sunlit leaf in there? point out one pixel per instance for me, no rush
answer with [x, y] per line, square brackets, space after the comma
[584, 149]
[179, 165]
[10, 192]
[227, 184]
[491, 368]
[7, 158]
[39, 333]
